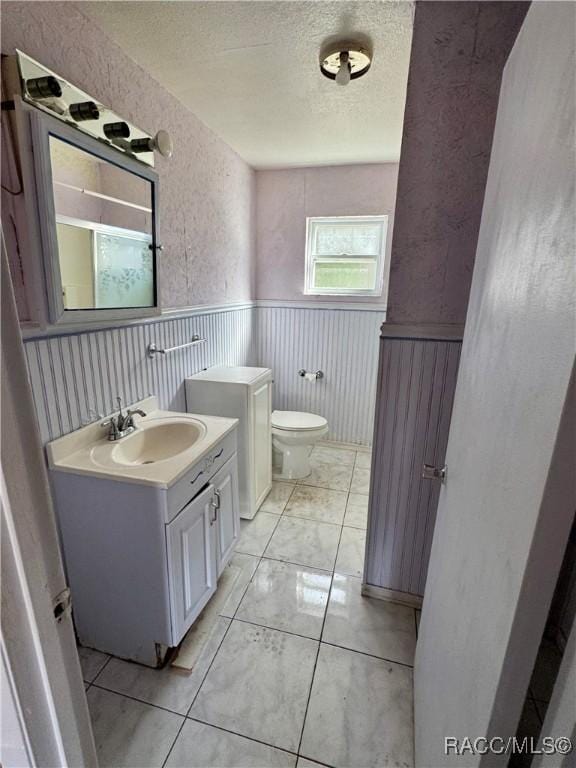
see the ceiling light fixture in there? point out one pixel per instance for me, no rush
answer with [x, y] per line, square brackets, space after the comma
[345, 61]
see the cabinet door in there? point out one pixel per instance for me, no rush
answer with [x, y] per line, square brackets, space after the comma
[262, 433]
[191, 542]
[225, 483]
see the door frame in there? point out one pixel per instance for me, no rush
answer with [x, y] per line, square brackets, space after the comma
[39, 651]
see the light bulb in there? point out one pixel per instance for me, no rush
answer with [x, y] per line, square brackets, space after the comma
[343, 74]
[163, 143]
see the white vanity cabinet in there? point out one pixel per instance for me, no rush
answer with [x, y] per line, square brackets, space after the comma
[244, 393]
[143, 560]
[200, 542]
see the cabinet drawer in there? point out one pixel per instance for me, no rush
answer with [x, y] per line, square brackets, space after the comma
[197, 476]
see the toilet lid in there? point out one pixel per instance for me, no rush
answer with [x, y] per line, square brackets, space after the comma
[297, 420]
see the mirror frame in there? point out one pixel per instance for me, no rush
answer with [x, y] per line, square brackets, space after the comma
[42, 127]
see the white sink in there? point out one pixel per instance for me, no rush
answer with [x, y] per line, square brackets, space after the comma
[152, 443]
[162, 447]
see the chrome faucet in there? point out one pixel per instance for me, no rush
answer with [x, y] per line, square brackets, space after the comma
[122, 424]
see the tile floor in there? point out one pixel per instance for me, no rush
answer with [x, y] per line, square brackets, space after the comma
[301, 670]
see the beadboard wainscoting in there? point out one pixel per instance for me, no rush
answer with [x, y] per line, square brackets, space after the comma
[415, 393]
[77, 375]
[343, 344]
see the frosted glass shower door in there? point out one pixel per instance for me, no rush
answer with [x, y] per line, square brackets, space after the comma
[123, 271]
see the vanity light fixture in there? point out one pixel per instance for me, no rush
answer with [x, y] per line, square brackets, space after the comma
[116, 131]
[44, 87]
[49, 92]
[344, 61]
[84, 110]
[162, 142]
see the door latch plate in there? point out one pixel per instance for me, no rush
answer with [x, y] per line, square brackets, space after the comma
[62, 605]
[430, 472]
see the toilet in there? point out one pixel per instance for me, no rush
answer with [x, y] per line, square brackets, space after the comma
[294, 433]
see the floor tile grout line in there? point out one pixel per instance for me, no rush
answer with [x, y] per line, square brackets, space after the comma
[318, 649]
[277, 629]
[309, 759]
[270, 539]
[300, 565]
[182, 724]
[312, 519]
[324, 487]
[370, 655]
[240, 552]
[251, 738]
[242, 735]
[102, 668]
[197, 693]
[140, 701]
[288, 501]
[205, 675]
[247, 587]
[289, 562]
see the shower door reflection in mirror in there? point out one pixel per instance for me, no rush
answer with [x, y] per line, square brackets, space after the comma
[105, 231]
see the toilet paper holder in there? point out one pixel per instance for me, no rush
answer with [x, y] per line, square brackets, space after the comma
[319, 374]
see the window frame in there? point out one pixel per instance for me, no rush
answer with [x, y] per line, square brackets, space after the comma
[310, 259]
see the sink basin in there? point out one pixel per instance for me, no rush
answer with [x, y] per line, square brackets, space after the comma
[163, 447]
[157, 442]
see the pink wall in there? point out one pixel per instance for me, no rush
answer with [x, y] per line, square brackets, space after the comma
[458, 54]
[285, 198]
[206, 189]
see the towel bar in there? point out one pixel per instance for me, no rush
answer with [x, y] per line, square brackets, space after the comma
[152, 349]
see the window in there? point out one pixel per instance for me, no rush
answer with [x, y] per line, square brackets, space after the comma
[345, 255]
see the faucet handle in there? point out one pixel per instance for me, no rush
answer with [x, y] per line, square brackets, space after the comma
[112, 422]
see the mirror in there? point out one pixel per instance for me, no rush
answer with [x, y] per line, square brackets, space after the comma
[98, 220]
[104, 231]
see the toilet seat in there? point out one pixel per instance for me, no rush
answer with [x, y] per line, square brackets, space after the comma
[297, 421]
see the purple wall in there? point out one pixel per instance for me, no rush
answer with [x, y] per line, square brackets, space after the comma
[206, 189]
[285, 198]
[458, 53]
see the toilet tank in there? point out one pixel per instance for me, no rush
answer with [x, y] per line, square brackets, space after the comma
[244, 393]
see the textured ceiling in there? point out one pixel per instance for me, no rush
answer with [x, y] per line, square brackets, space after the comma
[249, 70]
